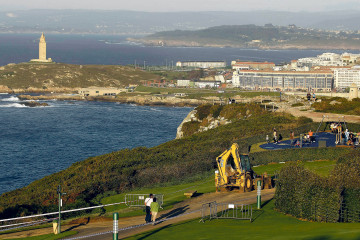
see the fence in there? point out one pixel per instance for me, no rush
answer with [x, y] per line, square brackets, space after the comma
[214, 210]
[137, 200]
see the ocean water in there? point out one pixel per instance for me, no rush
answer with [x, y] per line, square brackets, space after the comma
[36, 142]
[100, 49]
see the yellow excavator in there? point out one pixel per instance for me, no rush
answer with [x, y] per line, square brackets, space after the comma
[234, 172]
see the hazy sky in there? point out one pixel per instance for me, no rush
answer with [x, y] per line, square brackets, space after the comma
[184, 5]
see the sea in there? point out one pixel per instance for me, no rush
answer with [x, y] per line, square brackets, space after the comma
[117, 50]
[36, 142]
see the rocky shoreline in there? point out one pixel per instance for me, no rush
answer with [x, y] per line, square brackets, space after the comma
[141, 100]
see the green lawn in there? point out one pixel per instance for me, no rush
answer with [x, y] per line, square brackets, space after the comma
[174, 194]
[49, 236]
[320, 167]
[200, 93]
[268, 224]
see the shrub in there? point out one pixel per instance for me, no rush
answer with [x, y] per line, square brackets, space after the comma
[297, 104]
[189, 128]
[215, 110]
[306, 195]
[203, 111]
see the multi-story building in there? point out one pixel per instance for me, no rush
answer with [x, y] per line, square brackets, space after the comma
[202, 64]
[325, 59]
[343, 78]
[350, 58]
[252, 65]
[283, 80]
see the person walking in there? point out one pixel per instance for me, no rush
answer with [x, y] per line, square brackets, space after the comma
[154, 206]
[147, 203]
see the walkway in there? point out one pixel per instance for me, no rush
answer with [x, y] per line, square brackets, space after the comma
[187, 206]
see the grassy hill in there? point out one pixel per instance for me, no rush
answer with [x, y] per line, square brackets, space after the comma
[176, 161]
[252, 36]
[59, 75]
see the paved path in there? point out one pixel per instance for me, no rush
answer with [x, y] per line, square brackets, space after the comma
[317, 116]
[187, 206]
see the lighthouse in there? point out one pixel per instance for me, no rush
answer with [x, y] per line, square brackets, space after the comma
[42, 48]
[42, 51]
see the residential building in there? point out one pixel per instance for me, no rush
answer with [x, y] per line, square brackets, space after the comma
[183, 83]
[283, 80]
[201, 64]
[236, 65]
[99, 91]
[207, 84]
[343, 78]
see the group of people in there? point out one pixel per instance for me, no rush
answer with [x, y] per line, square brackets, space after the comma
[308, 137]
[276, 138]
[310, 97]
[346, 137]
[151, 209]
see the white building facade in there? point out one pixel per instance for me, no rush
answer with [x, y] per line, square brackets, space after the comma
[343, 78]
[202, 64]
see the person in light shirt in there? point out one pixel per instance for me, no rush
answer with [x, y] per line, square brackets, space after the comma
[147, 204]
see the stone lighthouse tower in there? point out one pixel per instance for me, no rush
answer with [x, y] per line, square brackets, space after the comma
[42, 48]
[42, 51]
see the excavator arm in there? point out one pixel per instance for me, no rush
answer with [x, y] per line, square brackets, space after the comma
[229, 164]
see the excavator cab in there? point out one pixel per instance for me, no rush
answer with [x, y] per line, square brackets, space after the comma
[245, 163]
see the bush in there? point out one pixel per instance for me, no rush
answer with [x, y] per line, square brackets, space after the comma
[306, 195]
[297, 104]
[189, 128]
[215, 110]
[203, 111]
[335, 198]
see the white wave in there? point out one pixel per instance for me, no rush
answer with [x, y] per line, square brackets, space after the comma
[14, 105]
[11, 99]
[3, 93]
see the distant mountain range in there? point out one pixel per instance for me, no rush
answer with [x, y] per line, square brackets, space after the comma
[143, 23]
[252, 36]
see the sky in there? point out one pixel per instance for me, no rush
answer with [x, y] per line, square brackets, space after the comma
[185, 5]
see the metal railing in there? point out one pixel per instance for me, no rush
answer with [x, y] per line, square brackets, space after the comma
[214, 210]
[138, 200]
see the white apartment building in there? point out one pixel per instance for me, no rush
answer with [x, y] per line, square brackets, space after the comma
[343, 78]
[325, 59]
[202, 64]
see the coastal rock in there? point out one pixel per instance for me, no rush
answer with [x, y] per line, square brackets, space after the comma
[34, 104]
[189, 117]
[209, 122]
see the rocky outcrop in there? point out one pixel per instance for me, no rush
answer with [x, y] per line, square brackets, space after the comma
[34, 104]
[4, 89]
[211, 123]
[189, 117]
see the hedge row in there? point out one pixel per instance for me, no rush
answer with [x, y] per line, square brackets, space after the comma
[306, 195]
[335, 198]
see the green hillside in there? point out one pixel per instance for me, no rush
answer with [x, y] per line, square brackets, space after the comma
[252, 36]
[59, 75]
[172, 162]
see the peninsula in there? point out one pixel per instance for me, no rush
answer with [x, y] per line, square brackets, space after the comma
[256, 37]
